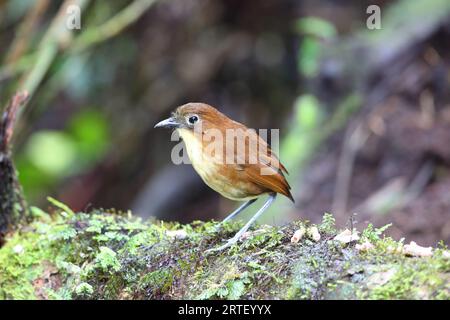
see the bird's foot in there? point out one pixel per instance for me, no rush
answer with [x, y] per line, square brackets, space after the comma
[218, 227]
[228, 244]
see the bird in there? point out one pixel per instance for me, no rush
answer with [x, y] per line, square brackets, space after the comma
[230, 158]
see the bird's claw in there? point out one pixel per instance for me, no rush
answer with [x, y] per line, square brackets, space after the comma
[218, 227]
[228, 244]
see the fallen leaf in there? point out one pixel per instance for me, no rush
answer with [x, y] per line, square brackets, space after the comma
[18, 249]
[298, 235]
[313, 233]
[365, 246]
[249, 234]
[177, 234]
[395, 249]
[413, 249]
[347, 236]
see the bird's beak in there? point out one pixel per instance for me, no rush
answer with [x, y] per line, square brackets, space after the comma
[168, 123]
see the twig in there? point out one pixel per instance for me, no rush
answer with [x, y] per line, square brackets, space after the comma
[395, 195]
[354, 139]
[25, 31]
[13, 207]
[91, 37]
[56, 34]
[113, 26]
[48, 48]
[419, 182]
[8, 120]
[22, 64]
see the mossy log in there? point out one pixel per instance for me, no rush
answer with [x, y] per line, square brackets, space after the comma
[108, 255]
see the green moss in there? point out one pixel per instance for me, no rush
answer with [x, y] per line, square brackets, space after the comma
[113, 255]
[84, 289]
[159, 280]
[318, 266]
[232, 285]
[106, 259]
[418, 277]
[373, 234]
[20, 265]
[73, 243]
[328, 224]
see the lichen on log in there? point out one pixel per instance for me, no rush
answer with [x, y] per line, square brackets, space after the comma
[110, 255]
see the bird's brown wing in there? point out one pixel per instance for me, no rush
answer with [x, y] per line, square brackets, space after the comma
[270, 158]
[275, 182]
[268, 171]
[265, 153]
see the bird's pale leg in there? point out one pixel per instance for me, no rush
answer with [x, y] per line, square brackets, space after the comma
[247, 225]
[238, 210]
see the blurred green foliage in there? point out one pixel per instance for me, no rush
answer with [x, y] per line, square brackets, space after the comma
[308, 115]
[311, 125]
[44, 145]
[314, 31]
[52, 155]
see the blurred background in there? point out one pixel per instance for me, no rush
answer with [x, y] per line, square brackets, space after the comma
[364, 115]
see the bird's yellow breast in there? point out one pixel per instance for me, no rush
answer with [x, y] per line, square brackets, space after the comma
[202, 163]
[213, 171]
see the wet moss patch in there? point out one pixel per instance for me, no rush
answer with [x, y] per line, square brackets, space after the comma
[110, 255]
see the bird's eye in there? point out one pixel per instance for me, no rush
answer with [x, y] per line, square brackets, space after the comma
[193, 119]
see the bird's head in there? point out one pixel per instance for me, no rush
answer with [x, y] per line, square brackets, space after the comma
[192, 114]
